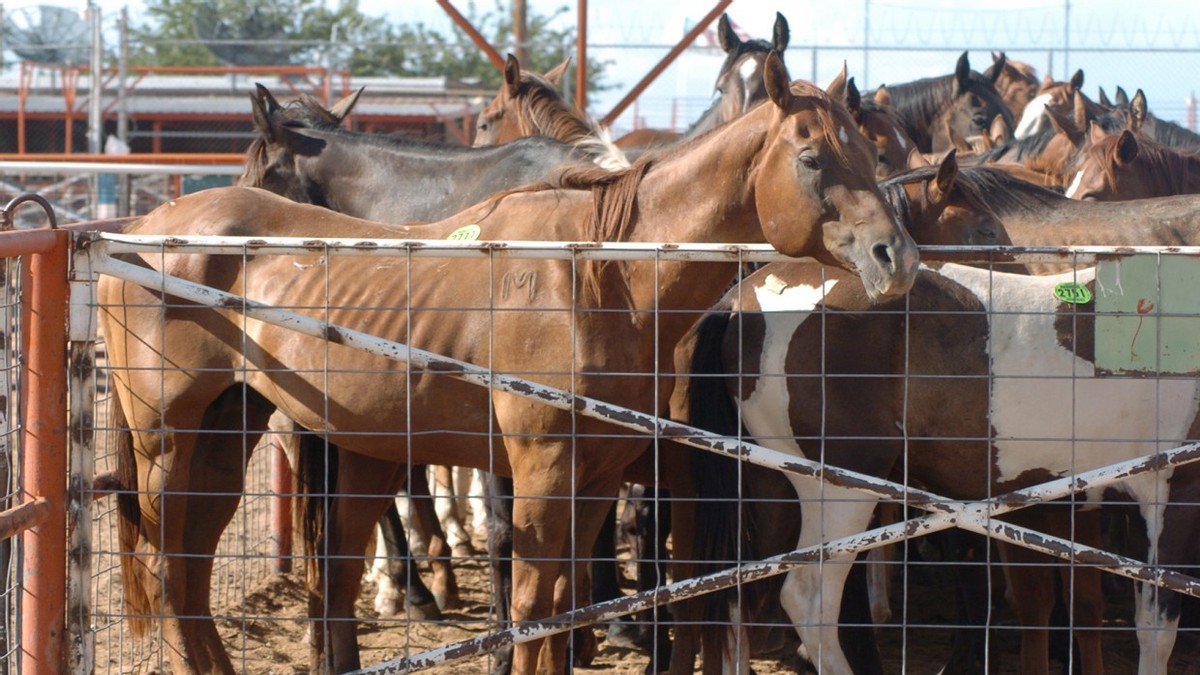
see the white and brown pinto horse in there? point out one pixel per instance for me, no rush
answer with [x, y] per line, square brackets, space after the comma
[977, 383]
[793, 173]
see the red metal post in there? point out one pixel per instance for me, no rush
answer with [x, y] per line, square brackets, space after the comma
[44, 442]
[475, 35]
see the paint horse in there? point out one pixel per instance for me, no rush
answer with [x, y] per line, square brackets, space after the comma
[988, 368]
[801, 180]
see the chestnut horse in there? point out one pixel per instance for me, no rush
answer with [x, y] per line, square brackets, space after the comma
[1130, 166]
[800, 178]
[528, 104]
[985, 384]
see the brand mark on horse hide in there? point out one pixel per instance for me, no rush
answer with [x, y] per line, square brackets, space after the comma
[512, 281]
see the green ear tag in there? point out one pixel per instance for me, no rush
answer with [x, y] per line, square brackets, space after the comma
[465, 233]
[1073, 293]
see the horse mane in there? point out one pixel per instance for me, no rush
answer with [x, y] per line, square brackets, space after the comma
[920, 101]
[1029, 146]
[542, 112]
[986, 189]
[1158, 164]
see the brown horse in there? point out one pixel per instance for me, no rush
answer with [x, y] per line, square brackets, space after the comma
[793, 173]
[528, 104]
[1130, 166]
[879, 123]
[1016, 82]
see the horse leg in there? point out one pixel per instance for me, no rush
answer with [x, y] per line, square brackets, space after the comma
[498, 503]
[449, 511]
[445, 585]
[365, 486]
[651, 527]
[400, 577]
[217, 483]
[812, 593]
[1087, 596]
[158, 576]
[1031, 592]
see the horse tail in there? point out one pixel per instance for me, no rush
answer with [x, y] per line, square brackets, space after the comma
[141, 602]
[314, 475]
[725, 529]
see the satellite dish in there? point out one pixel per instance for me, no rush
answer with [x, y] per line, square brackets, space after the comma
[48, 34]
[257, 41]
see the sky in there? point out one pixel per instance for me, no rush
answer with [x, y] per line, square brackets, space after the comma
[1149, 44]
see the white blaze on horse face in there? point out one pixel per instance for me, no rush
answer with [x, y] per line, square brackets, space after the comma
[748, 71]
[1031, 119]
[1049, 410]
[842, 135]
[900, 139]
[1075, 183]
[765, 413]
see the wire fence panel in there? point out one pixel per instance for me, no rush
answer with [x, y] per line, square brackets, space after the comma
[946, 598]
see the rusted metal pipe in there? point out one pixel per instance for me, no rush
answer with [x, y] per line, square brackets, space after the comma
[22, 517]
[666, 61]
[44, 436]
[475, 35]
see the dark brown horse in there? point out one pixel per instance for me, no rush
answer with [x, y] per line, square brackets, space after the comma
[800, 178]
[964, 102]
[739, 86]
[879, 123]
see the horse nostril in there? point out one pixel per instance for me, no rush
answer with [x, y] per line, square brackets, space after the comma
[883, 254]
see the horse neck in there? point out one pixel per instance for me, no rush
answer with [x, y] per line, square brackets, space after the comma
[704, 193]
[919, 103]
[1071, 222]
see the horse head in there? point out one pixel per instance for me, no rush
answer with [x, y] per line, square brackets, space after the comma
[815, 190]
[973, 106]
[942, 207]
[271, 159]
[878, 123]
[739, 85]
[1014, 80]
[1129, 166]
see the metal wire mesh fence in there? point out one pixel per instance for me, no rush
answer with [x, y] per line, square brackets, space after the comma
[1108, 418]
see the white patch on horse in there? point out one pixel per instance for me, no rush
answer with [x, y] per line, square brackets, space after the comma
[765, 413]
[748, 71]
[900, 139]
[1048, 408]
[1075, 183]
[842, 135]
[1032, 117]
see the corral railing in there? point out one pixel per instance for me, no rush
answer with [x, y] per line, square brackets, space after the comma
[944, 512]
[40, 616]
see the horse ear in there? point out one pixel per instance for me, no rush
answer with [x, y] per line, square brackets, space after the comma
[777, 81]
[781, 34]
[837, 86]
[1047, 80]
[1103, 99]
[1063, 125]
[1122, 97]
[726, 36]
[1127, 148]
[916, 160]
[512, 75]
[1077, 80]
[962, 74]
[853, 100]
[1080, 110]
[998, 67]
[938, 190]
[555, 75]
[1137, 111]
[999, 133]
[882, 96]
[342, 108]
[264, 106]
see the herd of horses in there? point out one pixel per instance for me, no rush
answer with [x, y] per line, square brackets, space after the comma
[966, 381]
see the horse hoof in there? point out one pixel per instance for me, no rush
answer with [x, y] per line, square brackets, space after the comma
[624, 635]
[388, 608]
[464, 549]
[428, 611]
[447, 601]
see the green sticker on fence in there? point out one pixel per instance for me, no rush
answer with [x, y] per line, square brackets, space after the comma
[465, 233]
[1073, 293]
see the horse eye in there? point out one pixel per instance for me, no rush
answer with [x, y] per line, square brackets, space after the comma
[980, 121]
[809, 162]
